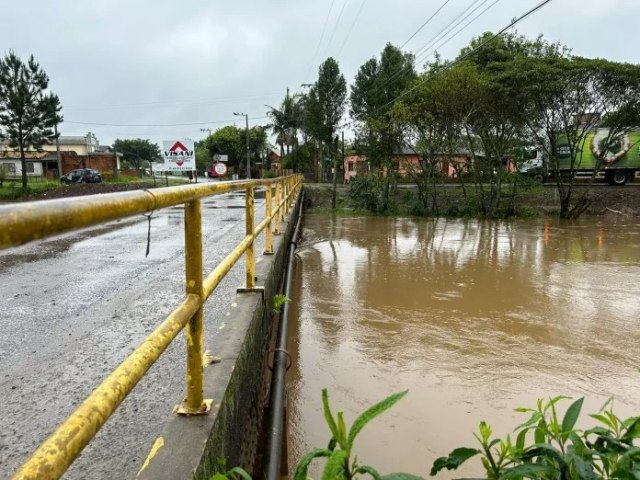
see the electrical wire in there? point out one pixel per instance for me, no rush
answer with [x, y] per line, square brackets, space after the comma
[324, 29]
[176, 102]
[461, 17]
[335, 27]
[454, 23]
[513, 23]
[460, 30]
[190, 124]
[424, 24]
[344, 42]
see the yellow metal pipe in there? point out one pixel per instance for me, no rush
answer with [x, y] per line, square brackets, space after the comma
[250, 258]
[261, 226]
[286, 198]
[278, 208]
[216, 276]
[57, 453]
[24, 222]
[194, 331]
[268, 237]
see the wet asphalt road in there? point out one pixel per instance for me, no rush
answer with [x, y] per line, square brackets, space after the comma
[73, 307]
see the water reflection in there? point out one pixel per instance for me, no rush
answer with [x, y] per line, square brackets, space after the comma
[475, 318]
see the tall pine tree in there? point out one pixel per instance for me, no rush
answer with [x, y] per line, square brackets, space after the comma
[28, 112]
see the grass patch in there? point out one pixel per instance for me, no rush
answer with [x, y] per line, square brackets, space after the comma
[124, 179]
[13, 190]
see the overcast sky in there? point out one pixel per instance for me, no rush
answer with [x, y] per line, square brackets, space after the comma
[198, 61]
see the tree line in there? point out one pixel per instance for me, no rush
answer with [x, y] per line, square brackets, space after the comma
[499, 98]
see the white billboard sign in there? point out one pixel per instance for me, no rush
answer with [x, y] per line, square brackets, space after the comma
[179, 155]
[220, 158]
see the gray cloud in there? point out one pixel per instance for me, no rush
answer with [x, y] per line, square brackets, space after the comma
[162, 61]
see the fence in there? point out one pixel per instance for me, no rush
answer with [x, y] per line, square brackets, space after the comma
[22, 223]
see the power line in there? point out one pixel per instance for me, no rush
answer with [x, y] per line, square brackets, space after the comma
[438, 36]
[424, 24]
[177, 102]
[513, 23]
[324, 29]
[158, 124]
[461, 17]
[435, 49]
[335, 27]
[351, 27]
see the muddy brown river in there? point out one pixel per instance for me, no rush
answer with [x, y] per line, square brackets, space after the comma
[474, 318]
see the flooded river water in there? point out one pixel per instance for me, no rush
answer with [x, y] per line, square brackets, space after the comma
[474, 318]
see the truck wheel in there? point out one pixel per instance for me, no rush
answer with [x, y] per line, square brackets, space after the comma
[619, 177]
[538, 177]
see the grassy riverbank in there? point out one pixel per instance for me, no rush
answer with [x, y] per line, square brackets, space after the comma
[537, 201]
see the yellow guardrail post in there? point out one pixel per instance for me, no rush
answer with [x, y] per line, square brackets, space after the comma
[194, 403]
[268, 236]
[278, 207]
[286, 196]
[250, 258]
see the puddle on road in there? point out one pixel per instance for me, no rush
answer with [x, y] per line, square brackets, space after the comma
[57, 246]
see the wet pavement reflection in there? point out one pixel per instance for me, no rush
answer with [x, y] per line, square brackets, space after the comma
[474, 318]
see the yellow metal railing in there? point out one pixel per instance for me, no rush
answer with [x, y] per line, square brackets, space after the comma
[22, 223]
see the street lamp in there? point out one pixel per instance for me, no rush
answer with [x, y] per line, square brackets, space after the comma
[246, 118]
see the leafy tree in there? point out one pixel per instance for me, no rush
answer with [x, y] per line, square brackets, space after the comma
[137, 151]
[431, 117]
[258, 145]
[566, 100]
[325, 106]
[378, 84]
[28, 112]
[227, 141]
[230, 141]
[203, 157]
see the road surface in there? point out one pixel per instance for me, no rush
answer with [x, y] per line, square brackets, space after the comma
[73, 307]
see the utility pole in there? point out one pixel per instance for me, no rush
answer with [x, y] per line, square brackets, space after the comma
[335, 174]
[58, 155]
[246, 118]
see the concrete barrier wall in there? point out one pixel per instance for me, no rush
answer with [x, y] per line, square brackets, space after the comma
[195, 447]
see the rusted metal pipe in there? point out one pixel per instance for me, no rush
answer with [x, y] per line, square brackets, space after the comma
[277, 394]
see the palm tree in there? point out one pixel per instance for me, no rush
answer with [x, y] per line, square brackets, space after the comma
[286, 121]
[278, 126]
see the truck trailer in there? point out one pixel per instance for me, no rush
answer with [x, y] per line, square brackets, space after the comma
[621, 161]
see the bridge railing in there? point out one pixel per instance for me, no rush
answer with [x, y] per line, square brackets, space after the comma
[25, 222]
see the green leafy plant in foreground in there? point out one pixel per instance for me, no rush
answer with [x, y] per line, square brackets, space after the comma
[236, 473]
[278, 302]
[559, 450]
[340, 465]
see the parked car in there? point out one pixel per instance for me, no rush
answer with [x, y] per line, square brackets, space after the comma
[82, 175]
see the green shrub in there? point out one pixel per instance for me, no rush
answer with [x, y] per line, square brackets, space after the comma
[368, 193]
[549, 448]
[413, 205]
